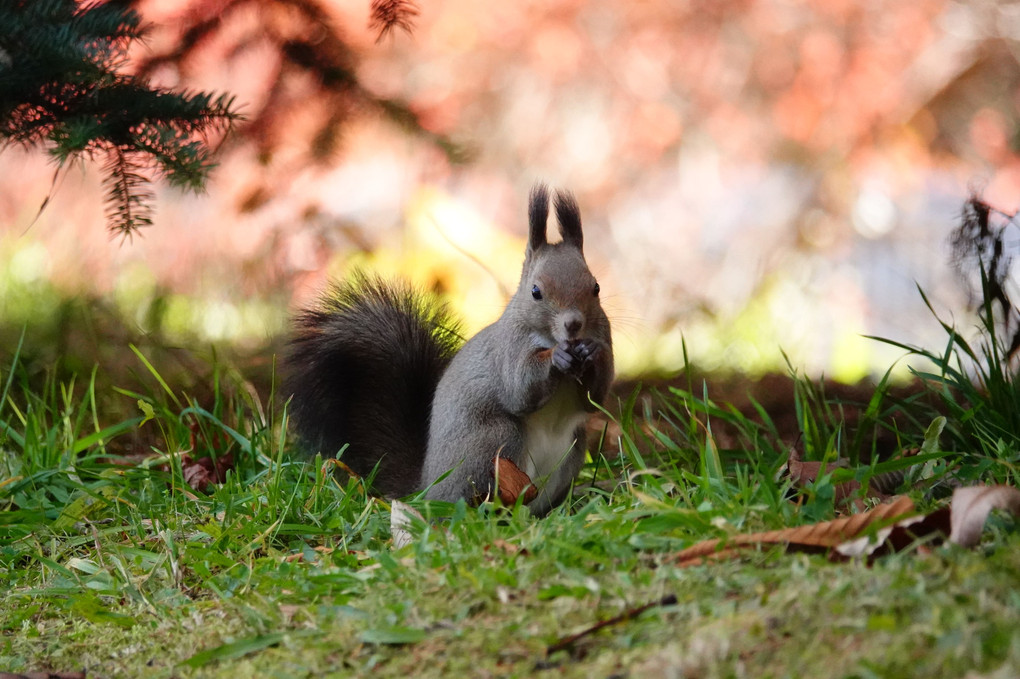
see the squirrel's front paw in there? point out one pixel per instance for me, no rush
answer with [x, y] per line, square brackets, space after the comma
[584, 350]
[573, 356]
[563, 359]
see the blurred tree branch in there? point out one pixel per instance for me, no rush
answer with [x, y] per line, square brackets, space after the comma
[390, 14]
[306, 42]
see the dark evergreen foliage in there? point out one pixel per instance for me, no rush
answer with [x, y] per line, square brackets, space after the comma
[62, 85]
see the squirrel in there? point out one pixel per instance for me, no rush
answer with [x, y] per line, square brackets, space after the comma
[376, 366]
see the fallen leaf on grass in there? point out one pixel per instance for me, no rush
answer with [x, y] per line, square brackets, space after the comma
[402, 516]
[511, 482]
[804, 473]
[889, 527]
[882, 485]
[962, 521]
[211, 469]
[506, 547]
[818, 537]
[879, 487]
[971, 507]
[204, 472]
[897, 537]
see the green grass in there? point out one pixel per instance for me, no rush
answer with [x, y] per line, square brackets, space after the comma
[111, 563]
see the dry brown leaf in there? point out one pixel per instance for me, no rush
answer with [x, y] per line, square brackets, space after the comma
[288, 611]
[204, 472]
[896, 537]
[962, 522]
[879, 487]
[321, 549]
[803, 473]
[507, 547]
[511, 482]
[815, 537]
[970, 508]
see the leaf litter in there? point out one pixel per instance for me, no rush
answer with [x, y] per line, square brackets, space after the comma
[889, 527]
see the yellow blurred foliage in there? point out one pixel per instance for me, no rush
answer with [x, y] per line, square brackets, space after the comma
[449, 249]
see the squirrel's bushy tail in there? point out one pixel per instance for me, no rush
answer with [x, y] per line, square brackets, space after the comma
[362, 367]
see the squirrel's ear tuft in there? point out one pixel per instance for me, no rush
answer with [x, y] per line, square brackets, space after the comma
[569, 217]
[538, 216]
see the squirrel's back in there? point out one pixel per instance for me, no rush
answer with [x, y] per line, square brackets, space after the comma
[367, 361]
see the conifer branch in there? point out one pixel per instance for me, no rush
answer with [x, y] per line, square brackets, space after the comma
[61, 86]
[128, 196]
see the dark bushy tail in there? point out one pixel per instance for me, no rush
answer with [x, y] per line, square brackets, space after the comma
[362, 367]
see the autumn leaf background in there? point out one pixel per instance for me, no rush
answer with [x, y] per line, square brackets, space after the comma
[755, 176]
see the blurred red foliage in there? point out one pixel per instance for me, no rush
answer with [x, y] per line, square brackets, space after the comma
[711, 142]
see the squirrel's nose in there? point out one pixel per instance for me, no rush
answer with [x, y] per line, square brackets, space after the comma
[572, 323]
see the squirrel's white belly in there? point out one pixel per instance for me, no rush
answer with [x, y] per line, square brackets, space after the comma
[549, 435]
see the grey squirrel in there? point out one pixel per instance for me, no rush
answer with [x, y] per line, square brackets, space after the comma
[376, 366]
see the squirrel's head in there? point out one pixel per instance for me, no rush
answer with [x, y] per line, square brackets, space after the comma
[558, 296]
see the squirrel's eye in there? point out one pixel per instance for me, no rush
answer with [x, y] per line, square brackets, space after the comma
[597, 288]
[535, 292]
